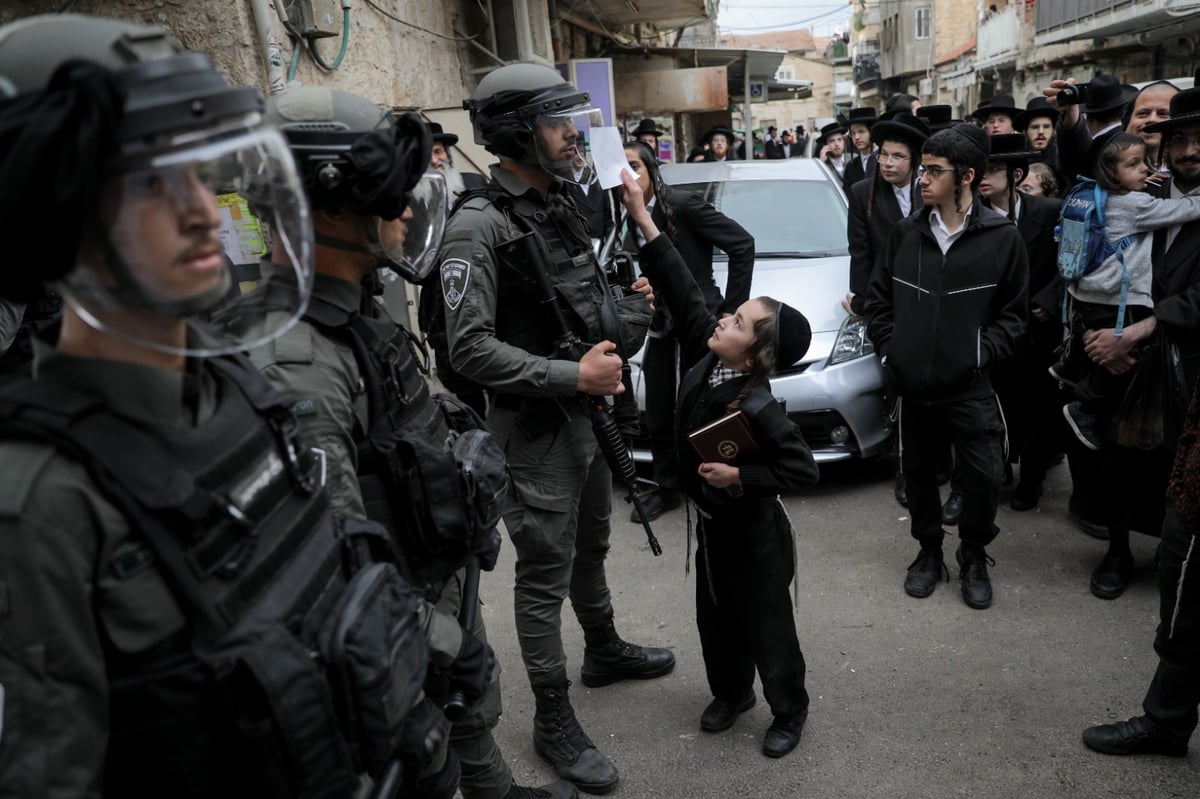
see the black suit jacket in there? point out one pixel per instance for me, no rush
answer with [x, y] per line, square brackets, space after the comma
[1036, 222]
[865, 237]
[1175, 289]
[1078, 152]
[595, 205]
[856, 172]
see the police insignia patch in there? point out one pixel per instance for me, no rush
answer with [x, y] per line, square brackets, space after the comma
[456, 274]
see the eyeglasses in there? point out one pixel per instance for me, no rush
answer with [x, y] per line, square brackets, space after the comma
[1183, 140]
[889, 158]
[934, 172]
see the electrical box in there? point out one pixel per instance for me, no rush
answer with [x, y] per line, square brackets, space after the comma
[314, 19]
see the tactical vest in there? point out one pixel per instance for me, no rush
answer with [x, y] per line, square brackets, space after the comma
[557, 232]
[428, 470]
[268, 691]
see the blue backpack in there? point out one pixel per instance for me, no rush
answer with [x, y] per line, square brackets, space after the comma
[1083, 240]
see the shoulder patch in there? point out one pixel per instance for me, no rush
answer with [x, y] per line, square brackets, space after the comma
[456, 275]
[305, 406]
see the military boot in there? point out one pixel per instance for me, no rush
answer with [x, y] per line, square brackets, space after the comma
[555, 790]
[559, 739]
[607, 659]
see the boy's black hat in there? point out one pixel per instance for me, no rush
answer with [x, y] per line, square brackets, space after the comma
[975, 136]
[829, 130]
[793, 334]
[903, 127]
[1105, 93]
[1010, 147]
[714, 130]
[1038, 107]
[1000, 104]
[646, 126]
[938, 117]
[862, 116]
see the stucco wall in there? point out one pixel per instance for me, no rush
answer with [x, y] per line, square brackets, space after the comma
[387, 61]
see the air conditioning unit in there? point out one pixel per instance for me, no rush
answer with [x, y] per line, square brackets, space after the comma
[926, 87]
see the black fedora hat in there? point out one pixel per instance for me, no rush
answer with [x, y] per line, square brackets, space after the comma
[862, 116]
[1105, 93]
[937, 117]
[904, 127]
[646, 126]
[1010, 147]
[730, 136]
[1000, 104]
[1185, 110]
[829, 130]
[444, 139]
[1038, 107]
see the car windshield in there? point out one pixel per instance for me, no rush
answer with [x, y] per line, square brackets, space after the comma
[788, 218]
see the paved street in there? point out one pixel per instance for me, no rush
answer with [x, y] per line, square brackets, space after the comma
[910, 698]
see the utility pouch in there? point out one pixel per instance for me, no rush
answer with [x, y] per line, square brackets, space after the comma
[376, 659]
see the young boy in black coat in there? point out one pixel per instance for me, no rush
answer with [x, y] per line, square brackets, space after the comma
[746, 558]
[947, 300]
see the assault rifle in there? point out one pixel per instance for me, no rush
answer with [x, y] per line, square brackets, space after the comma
[604, 426]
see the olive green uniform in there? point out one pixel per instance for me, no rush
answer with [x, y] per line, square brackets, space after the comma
[561, 502]
[73, 579]
[322, 378]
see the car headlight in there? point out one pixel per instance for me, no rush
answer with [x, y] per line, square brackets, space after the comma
[852, 341]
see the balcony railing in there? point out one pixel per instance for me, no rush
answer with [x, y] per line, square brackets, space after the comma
[999, 36]
[1061, 20]
[866, 70]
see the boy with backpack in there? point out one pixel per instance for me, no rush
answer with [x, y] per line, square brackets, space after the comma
[1104, 257]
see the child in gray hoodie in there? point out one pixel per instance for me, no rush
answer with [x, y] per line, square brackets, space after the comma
[1122, 170]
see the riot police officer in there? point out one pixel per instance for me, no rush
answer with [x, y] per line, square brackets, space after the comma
[180, 615]
[350, 370]
[503, 336]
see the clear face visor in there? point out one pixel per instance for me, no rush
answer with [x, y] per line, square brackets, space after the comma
[562, 143]
[411, 243]
[182, 236]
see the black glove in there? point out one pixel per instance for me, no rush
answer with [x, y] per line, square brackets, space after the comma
[471, 671]
[489, 550]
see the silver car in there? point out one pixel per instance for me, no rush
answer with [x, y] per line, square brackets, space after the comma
[796, 211]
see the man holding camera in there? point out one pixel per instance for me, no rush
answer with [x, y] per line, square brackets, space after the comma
[1103, 101]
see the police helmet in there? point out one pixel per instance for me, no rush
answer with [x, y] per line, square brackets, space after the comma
[520, 104]
[141, 150]
[356, 156]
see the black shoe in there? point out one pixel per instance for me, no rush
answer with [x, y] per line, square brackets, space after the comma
[973, 576]
[619, 660]
[901, 490]
[1137, 736]
[555, 790]
[925, 571]
[1111, 577]
[952, 509]
[783, 735]
[1063, 374]
[1085, 426]
[655, 504]
[720, 715]
[558, 739]
[1094, 529]
[1025, 496]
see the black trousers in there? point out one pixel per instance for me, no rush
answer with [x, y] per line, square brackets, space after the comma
[1174, 693]
[746, 620]
[660, 368]
[973, 426]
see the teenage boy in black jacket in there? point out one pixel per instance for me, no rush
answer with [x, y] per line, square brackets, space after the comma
[947, 299]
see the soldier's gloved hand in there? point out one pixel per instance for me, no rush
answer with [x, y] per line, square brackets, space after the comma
[489, 550]
[471, 671]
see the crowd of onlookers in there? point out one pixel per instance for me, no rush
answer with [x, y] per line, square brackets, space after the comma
[1000, 362]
